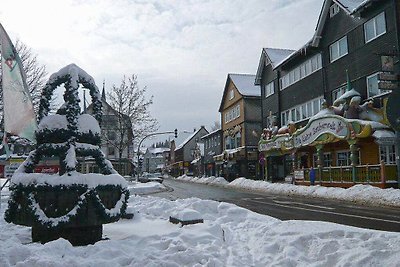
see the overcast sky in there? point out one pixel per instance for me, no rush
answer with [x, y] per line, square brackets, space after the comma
[182, 50]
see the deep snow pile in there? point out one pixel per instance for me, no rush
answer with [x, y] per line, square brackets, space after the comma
[229, 236]
[204, 180]
[363, 194]
[145, 188]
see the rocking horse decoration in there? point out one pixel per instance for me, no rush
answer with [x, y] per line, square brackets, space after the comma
[70, 205]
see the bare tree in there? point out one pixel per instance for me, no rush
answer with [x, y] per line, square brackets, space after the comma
[35, 74]
[133, 117]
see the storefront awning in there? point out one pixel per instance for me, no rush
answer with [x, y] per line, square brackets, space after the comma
[384, 137]
[319, 131]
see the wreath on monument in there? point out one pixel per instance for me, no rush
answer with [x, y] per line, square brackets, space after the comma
[80, 199]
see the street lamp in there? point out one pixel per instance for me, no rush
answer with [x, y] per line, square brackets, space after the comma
[175, 132]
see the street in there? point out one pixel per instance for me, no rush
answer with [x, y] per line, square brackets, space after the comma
[289, 207]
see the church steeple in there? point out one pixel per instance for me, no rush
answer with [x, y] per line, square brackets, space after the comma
[103, 92]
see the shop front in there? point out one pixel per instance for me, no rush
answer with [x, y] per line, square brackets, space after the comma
[340, 151]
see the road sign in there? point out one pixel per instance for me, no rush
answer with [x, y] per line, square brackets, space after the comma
[385, 76]
[393, 110]
[387, 85]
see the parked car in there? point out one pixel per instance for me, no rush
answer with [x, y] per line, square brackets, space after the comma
[151, 177]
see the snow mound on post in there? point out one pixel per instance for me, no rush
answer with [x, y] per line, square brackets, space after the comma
[53, 122]
[86, 123]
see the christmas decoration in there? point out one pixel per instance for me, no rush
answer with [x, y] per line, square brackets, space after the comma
[70, 205]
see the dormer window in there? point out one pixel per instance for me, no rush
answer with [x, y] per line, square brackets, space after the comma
[231, 95]
[333, 10]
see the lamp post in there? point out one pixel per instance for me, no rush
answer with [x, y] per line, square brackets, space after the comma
[175, 132]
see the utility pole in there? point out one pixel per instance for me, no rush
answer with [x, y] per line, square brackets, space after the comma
[389, 79]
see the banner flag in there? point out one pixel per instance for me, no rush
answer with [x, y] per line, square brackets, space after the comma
[19, 116]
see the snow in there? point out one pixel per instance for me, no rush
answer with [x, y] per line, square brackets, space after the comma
[353, 5]
[276, 55]
[92, 180]
[76, 74]
[187, 139]
[86, 123]
[363, 194]
[245, 84]
[145, 188]
[229, 236]
[187, 215]
[204, 180]
[52, 122]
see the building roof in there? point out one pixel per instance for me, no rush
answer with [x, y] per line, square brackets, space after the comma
[156, 150]
[244, 83]
[189, 138]
[351, 7]
[271, 56]
[211, 133]
[276, 55]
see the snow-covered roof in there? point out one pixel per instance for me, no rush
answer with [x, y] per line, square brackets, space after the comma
[276, 55]
[346, 95]
[352, 6]
[211, 133]
[188, 139]
[245, 84]
[271, 56]
[157, 150]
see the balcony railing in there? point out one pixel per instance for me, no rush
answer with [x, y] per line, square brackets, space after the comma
[365, 174]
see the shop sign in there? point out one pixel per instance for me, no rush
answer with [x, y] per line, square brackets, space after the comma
[316, 128]
[47, 169]
[16, 160]
[278, 143]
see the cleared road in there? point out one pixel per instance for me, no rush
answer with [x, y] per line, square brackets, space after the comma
[289, 207]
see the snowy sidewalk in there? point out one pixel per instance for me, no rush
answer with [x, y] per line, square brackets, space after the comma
[229, 236]
[362, 194]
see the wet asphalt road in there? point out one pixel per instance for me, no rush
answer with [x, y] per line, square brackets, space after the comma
[289, 207]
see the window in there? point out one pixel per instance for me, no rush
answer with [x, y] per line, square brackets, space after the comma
[269, 89]
[375, 27]
[232, 114]
[333, 10]
[343, 158]
[326, 161]
[111, 135]
[231, 94]
[111, 151]
[387, 154]
[338, 49]
[238, 139]
[301, 112]
[372, 85]
[338, 92]
[303, 70]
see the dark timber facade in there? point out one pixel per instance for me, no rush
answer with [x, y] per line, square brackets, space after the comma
[346, 49]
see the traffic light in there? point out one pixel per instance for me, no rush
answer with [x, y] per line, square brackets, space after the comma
[140, 163]
[176, 133]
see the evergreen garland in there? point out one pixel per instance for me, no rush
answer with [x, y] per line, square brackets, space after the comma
[34, 215]
[67, 144]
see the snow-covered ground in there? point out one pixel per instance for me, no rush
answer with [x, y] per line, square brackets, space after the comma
[362, 194]
[229, 236]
